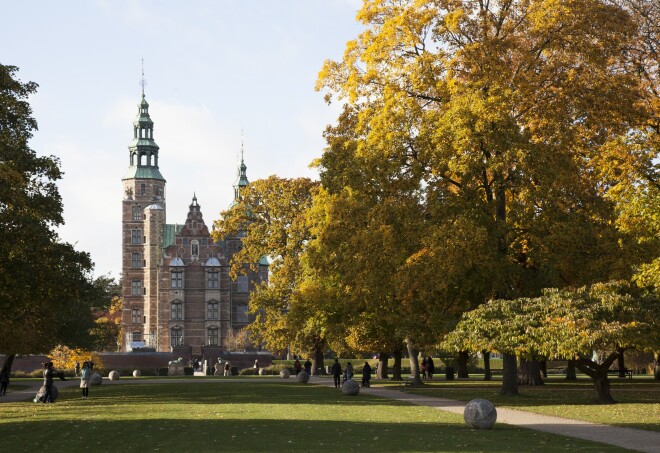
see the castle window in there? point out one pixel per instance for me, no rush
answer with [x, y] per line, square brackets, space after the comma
[136, 288]
[136, 316]
[212, 333]
[136, 260]
[242, 284]
[176, 278]
[194, 248]
[212, 310]
[176, 336]
[137, 212]
[136, 335]
[143, 189]
[176, 310]
[242, 313]
[136, 236]
[212, 281]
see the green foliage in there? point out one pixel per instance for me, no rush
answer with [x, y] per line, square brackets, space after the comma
[46, 291]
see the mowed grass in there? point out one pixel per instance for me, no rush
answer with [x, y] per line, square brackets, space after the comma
[638, 400]
[251, 416]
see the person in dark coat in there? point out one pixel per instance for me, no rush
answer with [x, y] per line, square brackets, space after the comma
[4, 381]
[308, 367]
[49, 373]
[430, 368]
[297, 367]
[366, 374]
[336, 373]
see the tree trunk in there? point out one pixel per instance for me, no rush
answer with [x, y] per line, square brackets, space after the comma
[621, 363]
[656, 374]
[9, 360]
[509, 375]
[414, 363]
[602, 385]
[571, 375]
[544, 368]
[396, 369]
[317, 362]
[462, 371]
[383, 358]
[487, 375]
[529, 372]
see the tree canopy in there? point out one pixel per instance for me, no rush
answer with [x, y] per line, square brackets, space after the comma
[46, 288]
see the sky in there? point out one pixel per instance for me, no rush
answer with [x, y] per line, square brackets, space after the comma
[218, 73]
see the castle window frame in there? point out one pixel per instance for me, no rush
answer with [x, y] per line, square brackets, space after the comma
[176, 336]
[136, 236]
[213, 279]
[213, 337]
[137, 213]
[194, 248]
[136, 335]
[136, 316]
[136, 287]
[242, 284]
[241, 314]
[176, 278]
[136, 260]
[213, 310]
[176, 310]
[143, 188]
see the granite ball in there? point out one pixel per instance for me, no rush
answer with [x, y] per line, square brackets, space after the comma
[285, 374]
[96, 379]
[113, 375]
[480, 414]
[137, 373]
[54, 393]
[302, 377]
[350, 388]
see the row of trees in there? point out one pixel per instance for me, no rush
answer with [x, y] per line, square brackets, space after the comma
[486, 151]
[47, 294]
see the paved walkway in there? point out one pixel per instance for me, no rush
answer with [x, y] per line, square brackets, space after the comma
[633, 439]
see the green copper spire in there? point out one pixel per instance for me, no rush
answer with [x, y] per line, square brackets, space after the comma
[143, 150]
[242, 180]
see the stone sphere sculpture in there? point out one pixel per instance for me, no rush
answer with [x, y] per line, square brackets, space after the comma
[285, 374]
[54, 393]
[137, 373]
[480, 414]
[113, 375]
[96, 379]
[302, 377]
[350, 388]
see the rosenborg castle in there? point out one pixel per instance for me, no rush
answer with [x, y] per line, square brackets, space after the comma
[177, 292]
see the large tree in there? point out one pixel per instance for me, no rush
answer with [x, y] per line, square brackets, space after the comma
[505, 105]
[568, 325]
[46, 290]
[271, 217]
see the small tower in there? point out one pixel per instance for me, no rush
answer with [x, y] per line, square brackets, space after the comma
[143, 217]
[242, 181]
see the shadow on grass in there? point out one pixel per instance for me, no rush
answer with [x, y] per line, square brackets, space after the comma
[182, 434]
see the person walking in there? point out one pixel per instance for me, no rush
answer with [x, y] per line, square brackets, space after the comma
[49, 372]
[336, 373]
[308, 367]
[349, 371]
[227, 369]
[430, 368]
[77, 369]
[4, 381]
[366, 374]
[297, 367]
[85, 377]
[423, 370]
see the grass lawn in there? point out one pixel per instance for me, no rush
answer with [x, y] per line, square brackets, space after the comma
[254, 415]
[638, 400]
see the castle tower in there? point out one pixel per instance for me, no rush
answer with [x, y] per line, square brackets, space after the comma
[241, 181]
[143, 217]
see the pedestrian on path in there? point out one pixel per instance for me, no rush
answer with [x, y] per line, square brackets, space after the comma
[4, 380]
[336, 373]
[85, 377]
